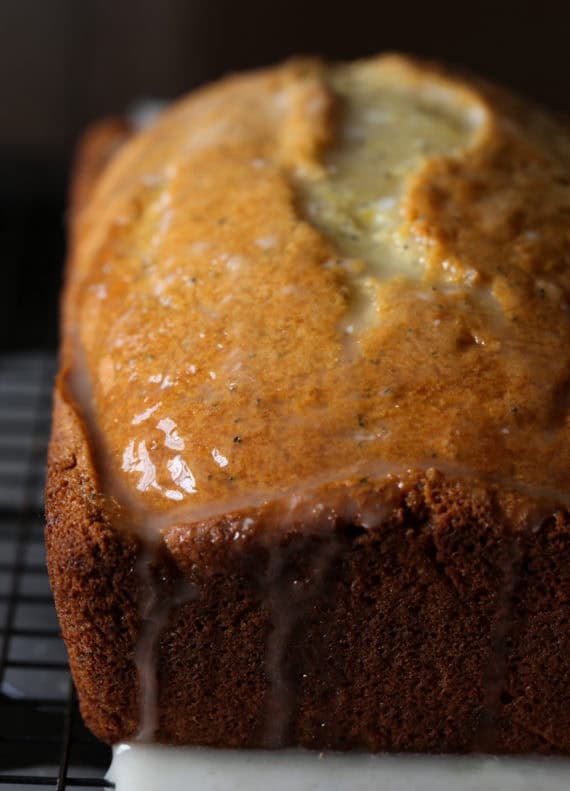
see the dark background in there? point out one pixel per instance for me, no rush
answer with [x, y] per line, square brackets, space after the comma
[64, 63]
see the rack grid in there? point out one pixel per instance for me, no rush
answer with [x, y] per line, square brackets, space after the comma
[43, 741]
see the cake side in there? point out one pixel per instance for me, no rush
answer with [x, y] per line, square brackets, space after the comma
[442, 629]
[466, 580]
[92, 569]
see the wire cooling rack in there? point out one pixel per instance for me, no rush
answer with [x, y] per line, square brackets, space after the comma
[43, 742]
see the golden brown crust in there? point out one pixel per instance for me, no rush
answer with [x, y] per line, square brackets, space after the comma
[178, 231]
[443, 626]
[91, 566]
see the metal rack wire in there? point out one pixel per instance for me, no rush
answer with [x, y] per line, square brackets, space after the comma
[43, 742]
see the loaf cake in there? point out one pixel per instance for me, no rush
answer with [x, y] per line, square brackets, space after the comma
[308, 472]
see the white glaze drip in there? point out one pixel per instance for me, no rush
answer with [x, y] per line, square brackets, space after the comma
[156, 608]
[289, 602]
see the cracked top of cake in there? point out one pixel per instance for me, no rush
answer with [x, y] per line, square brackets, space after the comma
[314, 273]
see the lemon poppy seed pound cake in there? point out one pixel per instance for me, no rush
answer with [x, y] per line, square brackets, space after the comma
[308, 475]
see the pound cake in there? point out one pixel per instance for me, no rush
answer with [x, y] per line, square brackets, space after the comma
[308, 472]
